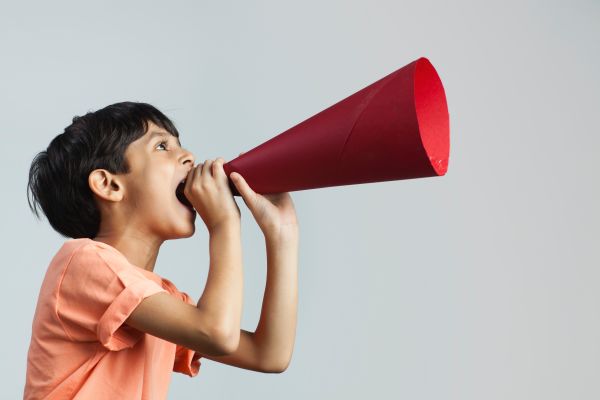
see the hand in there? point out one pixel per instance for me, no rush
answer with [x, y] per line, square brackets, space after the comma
[207, 188]
[274, 213]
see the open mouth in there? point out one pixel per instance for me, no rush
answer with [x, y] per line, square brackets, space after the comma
[181, 197]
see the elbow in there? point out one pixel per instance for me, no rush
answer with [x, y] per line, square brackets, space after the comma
[226, 341]
[277, 370]
[277, 367]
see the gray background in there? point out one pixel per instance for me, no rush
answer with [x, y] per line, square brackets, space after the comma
[482, 284]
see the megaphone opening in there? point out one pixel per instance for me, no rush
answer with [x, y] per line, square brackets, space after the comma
[432, 115]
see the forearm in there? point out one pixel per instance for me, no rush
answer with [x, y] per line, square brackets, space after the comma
[276, 330]
[223, 292]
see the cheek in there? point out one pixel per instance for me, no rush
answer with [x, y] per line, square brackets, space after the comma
[150, 189]
[147, 192]
[155, 191]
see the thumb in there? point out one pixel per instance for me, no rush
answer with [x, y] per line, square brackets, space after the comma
[242, 186]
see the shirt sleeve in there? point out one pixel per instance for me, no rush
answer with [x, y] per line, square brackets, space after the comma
[98, 291]
[187, 361]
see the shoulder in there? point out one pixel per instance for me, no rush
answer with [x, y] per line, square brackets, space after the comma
[104, 262]
[96, 261]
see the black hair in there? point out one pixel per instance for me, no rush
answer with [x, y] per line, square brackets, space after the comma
[58, 176]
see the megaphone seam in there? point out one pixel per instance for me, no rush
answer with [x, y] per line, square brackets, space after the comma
[358, 118]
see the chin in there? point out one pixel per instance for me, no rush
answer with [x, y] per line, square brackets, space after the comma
[179, 224]
[187, 233]
[179, 231]
[190, 234]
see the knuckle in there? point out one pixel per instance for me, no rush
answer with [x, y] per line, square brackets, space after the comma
[205, 185]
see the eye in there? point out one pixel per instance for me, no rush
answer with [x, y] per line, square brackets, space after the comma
[163, 143]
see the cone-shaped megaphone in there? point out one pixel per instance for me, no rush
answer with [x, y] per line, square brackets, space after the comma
[396, 128]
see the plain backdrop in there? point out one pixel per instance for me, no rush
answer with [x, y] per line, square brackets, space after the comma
[481, 284]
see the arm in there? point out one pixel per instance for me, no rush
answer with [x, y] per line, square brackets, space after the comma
[212, 327]
[269, 349]
[223, 294]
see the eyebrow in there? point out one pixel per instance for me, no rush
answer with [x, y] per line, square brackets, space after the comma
[154, 134]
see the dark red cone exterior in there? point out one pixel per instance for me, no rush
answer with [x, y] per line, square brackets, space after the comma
[396, 128]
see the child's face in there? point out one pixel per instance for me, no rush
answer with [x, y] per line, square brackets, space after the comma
[157, 165]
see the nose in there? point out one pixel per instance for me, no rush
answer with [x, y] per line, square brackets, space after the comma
[187, 157]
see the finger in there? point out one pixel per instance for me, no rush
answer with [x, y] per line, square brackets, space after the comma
[217, 167]
[191, 176]
[242, 186]
[206, 168]
[197, 172]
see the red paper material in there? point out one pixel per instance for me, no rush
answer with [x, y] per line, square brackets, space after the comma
[396, 128]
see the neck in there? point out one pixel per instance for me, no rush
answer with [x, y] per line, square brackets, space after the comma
[139, 250]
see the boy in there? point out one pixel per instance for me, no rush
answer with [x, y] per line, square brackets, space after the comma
[118, 182]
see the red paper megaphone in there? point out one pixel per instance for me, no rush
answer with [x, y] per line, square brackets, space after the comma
[396, 128]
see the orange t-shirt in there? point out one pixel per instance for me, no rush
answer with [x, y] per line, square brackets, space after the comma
[80, 348]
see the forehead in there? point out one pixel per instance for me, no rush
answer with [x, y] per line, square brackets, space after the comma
[155, 131]
[143, 145]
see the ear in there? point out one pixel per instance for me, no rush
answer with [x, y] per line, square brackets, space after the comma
[106, 185]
